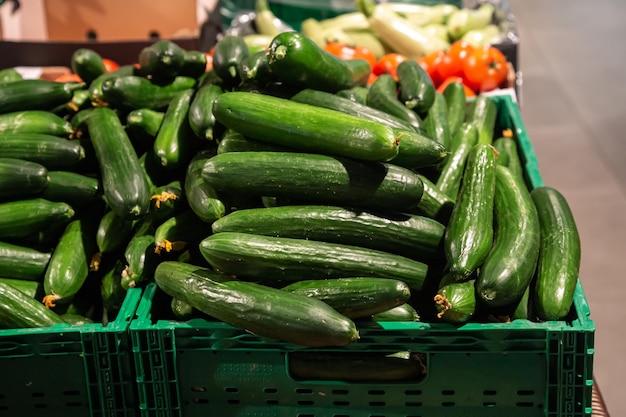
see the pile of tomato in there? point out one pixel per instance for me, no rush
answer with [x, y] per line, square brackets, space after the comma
[480, 69]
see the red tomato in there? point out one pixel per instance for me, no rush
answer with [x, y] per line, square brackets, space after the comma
[451, 64]
[388, 64]
[68, 77]
[430, 63]
[344, 51]
[110, 65]
[468, 91]
[485, 68]
[372, 77]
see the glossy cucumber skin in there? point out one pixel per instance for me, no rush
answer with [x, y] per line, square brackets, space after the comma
[73, 188]
[454, 95]
[317, 130]
[510, 266]
[436, 121]
[482, 112]
[228, 53]
[416, 89]
[113, 232]
[469, 235]
[179, 232]
[404, 312]
[298, 60]
[18, 310]
[201, 196]
[51, 151]
[274, 258]
[509, 155]
[33, 289]
[137, 92]
[354, 297]
[356, 94]
[124, 184]
[22, 262]
[35, 121]
[20, 178]
[194, 64]
[148, 120]
[35, 94]
[141, 260]
[434, 202]
[87, 64]
[264, 311]
[22, 218]
[200, 117]
[236, 142]
[456, 301]
[415, 237]
[382, 96]
[162, 60]
[449, 179]
[318, 178]
[95, 87]
[560, 254]
[172, 145]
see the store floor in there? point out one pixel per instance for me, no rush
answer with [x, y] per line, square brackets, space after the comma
[573, 97]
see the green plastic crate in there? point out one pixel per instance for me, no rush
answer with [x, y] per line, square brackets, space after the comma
[519, 369]
[70, 371]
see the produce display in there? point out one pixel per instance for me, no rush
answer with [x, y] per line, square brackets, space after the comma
[279, 190]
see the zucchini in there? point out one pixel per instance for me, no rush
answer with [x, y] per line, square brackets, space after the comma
[87, 64]
[132, 92]
[202, 198]
[510, 266]
[403, 312]
[22, 218]
[263, 311]
[35, 94]
[416, 237]
[146, 120]
[415, 87]
[228, 52]
[252, 257]
[319, 178]
[449, 179]
[53, 152]
[20, 178]
[200, 117]
[161, 61]
[482, 112]
[469, 234]
[172, 145]
[22, 262]
[72, 188]
[18, 310]
[124, 184]
[296, 59]
[317, 130]
[454, 95]
[35, 121]
[456, 301]
[383, 96]
[559, 256]
[354, 297]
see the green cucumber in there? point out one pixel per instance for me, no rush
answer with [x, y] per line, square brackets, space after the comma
[161, 61]
[73, 188]
[172, 145]
[87, 64]
[20, 178]
[181, 310]
[436, 121]
[124, 184]
[469, 233]
[167, 200]
[35, 121]
[482, 111]
[264, 311]
[382, 96]
[252, 257]
[297, 59]
[200, 117]
[510, 266]
[415, 87]
[22, 262]
[95, 87]
[146, 120]
[179, 231]
[33, 289]
[112, 292]
[18, 310]
[53, 152]
[559, 256]
[254, 70]
[35, 94]
[236, 142]
[454, 95]
[136, 92]
[141, 260]
[449, 179]
[404, 312]
[22, 218]
[356, 94]
[112, 234]
[8, 75]
[203, 200]
[509, 154]
[194, 64]
[354, 297]
[413, 236]
[434, 202]
[305, 127]
[228, 53]
[456, 301]
[318, 178]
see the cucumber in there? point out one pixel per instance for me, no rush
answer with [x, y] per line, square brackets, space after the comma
[69, 265]
[202, 198]
[236, 142]
[200, 117]
[167, 200]
[434, 203]
[161, 61]
[146, 120]
[181, 310]
[112, 235]
[317, 130]
[354, 297]
[112, 292]
[509, 154]
[296, 59]
[34, 289]
[254, 70]
[51, 151]
[356, 94]
[141, 260]
[404, 312]
[18, 310]
[132, 92]
[87, 64]
[252, 257]
[454, 95]
[382, 96]
[124, 184]
[22, 218]
[179, 231]
[469, 234]
[559, 256]
[482, 112]
[35, 94]
[95, 87]
[415, 87]
[172, 145]
[319, 178]
[228, 53]
[456, 301]
[22, 262]
[436, 121]
[449, 179]
[194, 64]
[263, 311]
[72, 188]
[416, 237]
[35, 121]
[8, 75]
[20, 178]
[510, 266]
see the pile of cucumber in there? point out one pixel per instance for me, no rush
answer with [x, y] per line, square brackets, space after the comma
[275, 192]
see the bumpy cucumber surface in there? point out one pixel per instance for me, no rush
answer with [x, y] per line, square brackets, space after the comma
[18, 310]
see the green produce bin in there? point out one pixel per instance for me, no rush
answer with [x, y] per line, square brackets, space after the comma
[70, 371]
[522, 368]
